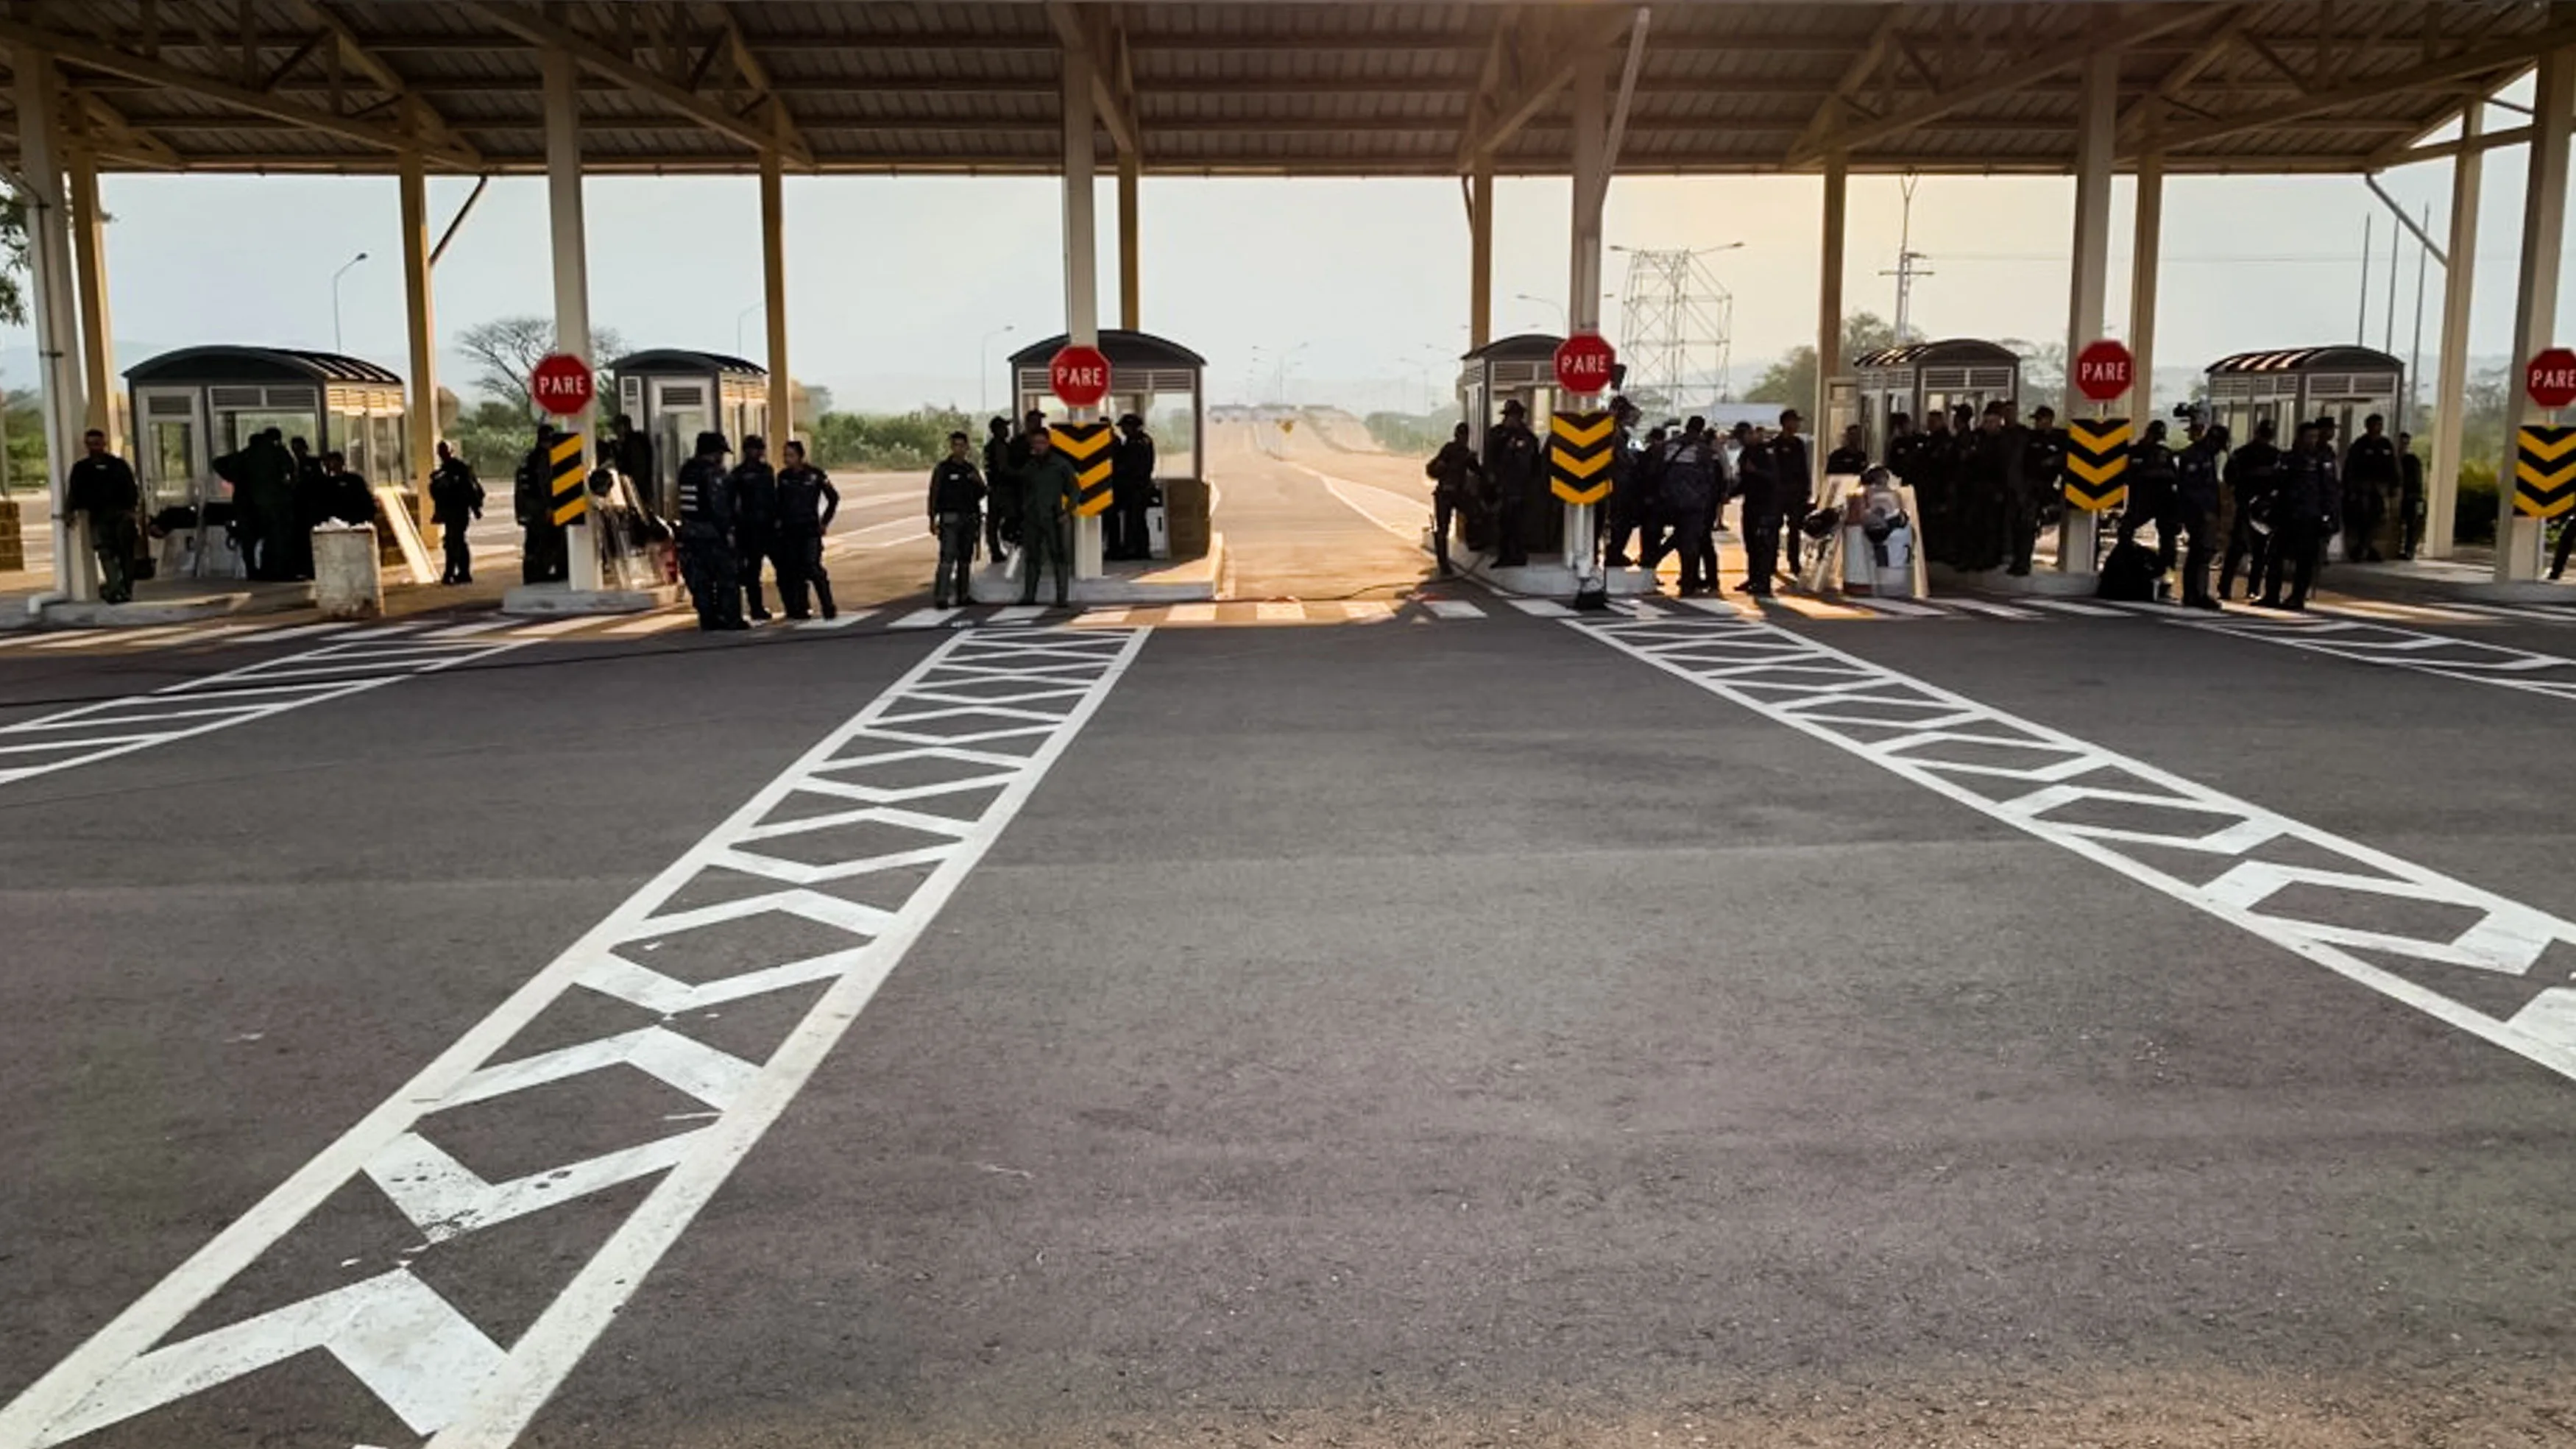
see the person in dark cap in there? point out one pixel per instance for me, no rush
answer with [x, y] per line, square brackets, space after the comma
[1757, 482]
[755, 520]
[1002, 504]
[1453, 474]
[807, 502]
[1047, 493]
[1794, 478]
[704, 498]
[1131, 490]
[545, 555]
[1511, 462]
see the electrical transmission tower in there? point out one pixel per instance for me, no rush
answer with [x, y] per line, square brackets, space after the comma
[1679, 323]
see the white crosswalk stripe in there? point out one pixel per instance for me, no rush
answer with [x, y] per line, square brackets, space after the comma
[2071, 606]
[1453, 609]
[1991, 609]
[653, 624]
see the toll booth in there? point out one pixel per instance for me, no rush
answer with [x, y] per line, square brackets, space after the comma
[198, 404]
[673, 395]
[1160, 381]
[2345, 383]
[1915, 379]
[1518, 368]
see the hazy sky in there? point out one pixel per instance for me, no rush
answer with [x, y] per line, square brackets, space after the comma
[893, 283]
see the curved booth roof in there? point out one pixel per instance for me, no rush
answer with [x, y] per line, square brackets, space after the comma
[1123, 348]
[2342, 357]
[1519, 347]
[1950, 352]
[198, 366]
[682, 362]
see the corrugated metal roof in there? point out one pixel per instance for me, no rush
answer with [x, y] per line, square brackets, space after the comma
[1315, 87]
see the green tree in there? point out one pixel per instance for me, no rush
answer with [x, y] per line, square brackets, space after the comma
[505, 350]
[1791, 381]
[494, 436]
[13, 262]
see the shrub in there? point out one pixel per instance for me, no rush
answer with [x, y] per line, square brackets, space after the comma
[2473, 518]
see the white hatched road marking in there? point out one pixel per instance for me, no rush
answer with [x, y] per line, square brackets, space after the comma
[101, 731]
[2386, 644]
[467, 631]
[1959, 748]
[1020, 696]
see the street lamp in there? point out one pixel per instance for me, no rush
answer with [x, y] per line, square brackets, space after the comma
[1544, 302]
[984, 368]
[336, 345]
[738, 319]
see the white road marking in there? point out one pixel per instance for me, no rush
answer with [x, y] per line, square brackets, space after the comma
[841, 620]
[2071, 606]
[1367, 611]
[102, 731]
[294, 631]
[2279, 878]
[549, 628]
[468, 631]
[2386, 644]
[1102, 618]
[1813, 607]
[1021, 698]
[382, 631]
[924, 619]
[1730, 606]
[93, 638]
[1453, 609]
[1902, 608]
[1191, 614]
[1018, 614]
[1278, 613]
[1984, 606]
[658, 623]
[1543, 608]
[2400, 613]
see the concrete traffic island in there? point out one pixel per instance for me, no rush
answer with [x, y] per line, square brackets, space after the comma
[559, 600]
[1157, 581]
[175, 601]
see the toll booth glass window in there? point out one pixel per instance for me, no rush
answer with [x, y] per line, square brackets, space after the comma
[170, 462]
[237, 428]
[1174, 424]
[390, 465]
[351, 437]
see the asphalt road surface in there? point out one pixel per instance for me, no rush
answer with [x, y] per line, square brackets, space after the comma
[1293, 1024]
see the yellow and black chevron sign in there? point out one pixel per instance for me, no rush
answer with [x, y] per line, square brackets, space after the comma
[2544, 470]
[1579, 447]
[1089, 447]
[2097, 457]
[565, 468]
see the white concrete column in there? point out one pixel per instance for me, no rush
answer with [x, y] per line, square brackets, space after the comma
[1829, 302]
[2535, 308]
[51, 300]
[420, 331]
[89, 257]
[1131, 258]
[572, 265]
[2451, 387]
[1081, 259]
[1480, 254]
[2144, 263]
[2096, 130]
[1583, 286]
[773, 294]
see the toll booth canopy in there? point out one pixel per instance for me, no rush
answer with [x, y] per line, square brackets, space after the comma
[674, 394]
[1519, 368]
[1915, 379]
[198, 404]
[2284, 388]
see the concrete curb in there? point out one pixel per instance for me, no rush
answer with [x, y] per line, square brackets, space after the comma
[1190, 581]
[558, 600]
[67, 615]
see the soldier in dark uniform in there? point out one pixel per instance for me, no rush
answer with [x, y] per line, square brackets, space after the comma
[1131, 490]
[1511, 462]
[1986, 487]
[2043, 461]
[263, 477]
[1454, 473]
[312, 494]
[2300, 519]
[455, 501]
[2152, 479]
[2410, 499]
[705, 502]
[545, 555]
[2369, 476]
[1619, 511]
[755, 520]
[1795, 478]
[1690, 502]
[807, 502]
[101, 486]
[632, 452]
[1849, 460]
[1758, 483]
[1925, 460]
[1047, 494]
[2197, 473]
[1002, 503]
[956, 505]
[2253, 477]
[351, 501]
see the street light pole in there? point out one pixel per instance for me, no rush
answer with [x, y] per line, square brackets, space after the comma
[984, 368]
[738, 319]
[336, 344]
[1544, 302]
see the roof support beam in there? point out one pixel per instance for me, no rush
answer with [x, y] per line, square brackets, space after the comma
[533, 27]
[348, 50]
[89, 55]
[1856, 75]
[112, 136]
[1107, 57]
[2169, 90]
[1572, 45]
[2498, 55]
[2134, 24]
[756, 75]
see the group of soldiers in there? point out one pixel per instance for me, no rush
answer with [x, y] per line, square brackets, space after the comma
[1667, 494]
[282, 491]
[1020, 502]
[734, 520]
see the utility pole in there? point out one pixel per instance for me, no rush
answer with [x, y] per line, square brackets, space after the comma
[1906, 264]
[2361, 318]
